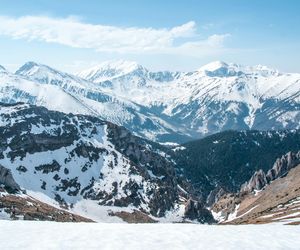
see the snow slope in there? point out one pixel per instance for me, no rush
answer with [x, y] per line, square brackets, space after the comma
[17, 89]
[22, 235]
[84, 163]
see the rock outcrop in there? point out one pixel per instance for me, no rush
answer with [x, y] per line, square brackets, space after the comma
[279, 169]
[279, 201]
[266, 197]
[194, 210]
[283, 165]
[214, 196]
[7, 180]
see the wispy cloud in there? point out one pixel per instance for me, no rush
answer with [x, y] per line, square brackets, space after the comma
[72, 32]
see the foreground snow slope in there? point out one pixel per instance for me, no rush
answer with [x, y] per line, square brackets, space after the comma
[22, 235]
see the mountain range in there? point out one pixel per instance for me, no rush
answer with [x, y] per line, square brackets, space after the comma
[164, 106]
[118, 142]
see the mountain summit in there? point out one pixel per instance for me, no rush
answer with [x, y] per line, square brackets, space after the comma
[2, 68]
[111, 69]
[217, 68]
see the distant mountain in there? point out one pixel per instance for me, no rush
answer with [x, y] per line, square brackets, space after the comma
[216, 97]
[111, 70]
[41, 85]
[2, 68]
[127, 73]
[91, 167]
[164, 106]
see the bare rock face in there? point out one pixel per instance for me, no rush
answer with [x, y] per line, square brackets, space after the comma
[7, 179]
[279, 169]
[283, 165]
[134, 217]
[257, 182]
[194, 210]
[148, 164]
[275, 189]
[215, 195]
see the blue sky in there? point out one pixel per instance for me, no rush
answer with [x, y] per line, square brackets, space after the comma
[175, 35]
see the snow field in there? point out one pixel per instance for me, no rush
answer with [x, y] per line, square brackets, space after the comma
[51, 235]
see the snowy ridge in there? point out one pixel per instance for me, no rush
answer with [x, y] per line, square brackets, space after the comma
[33, 81]
[109, 70]
[165, 106]
[2, 68]
[216, 97]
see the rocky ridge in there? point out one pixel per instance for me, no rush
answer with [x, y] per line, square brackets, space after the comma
[264, 198]
[76, 158]
[280, 168]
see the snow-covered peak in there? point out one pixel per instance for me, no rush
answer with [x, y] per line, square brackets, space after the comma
[2, 68]
[28, 68]
[37, 71]
[33, 69]
[47, 75]
[111, 69]
[222, 69]
[219, 69]
[121, 65]
[263, 70]
[213, 66]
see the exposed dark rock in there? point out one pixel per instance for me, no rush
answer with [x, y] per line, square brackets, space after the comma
[49, 168]
[56, 177]
[134, 217]
[7, 179]
[22, 169]
[68, 184]
[215, 195]
[136, 150]
[43, 185]
[194, 210]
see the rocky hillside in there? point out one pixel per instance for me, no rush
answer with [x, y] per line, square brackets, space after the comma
[265, 198]
[223, 162]
[280, 168]
[84, 163]
[20, 206]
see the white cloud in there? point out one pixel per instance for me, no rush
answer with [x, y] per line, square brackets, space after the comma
[72, 32]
